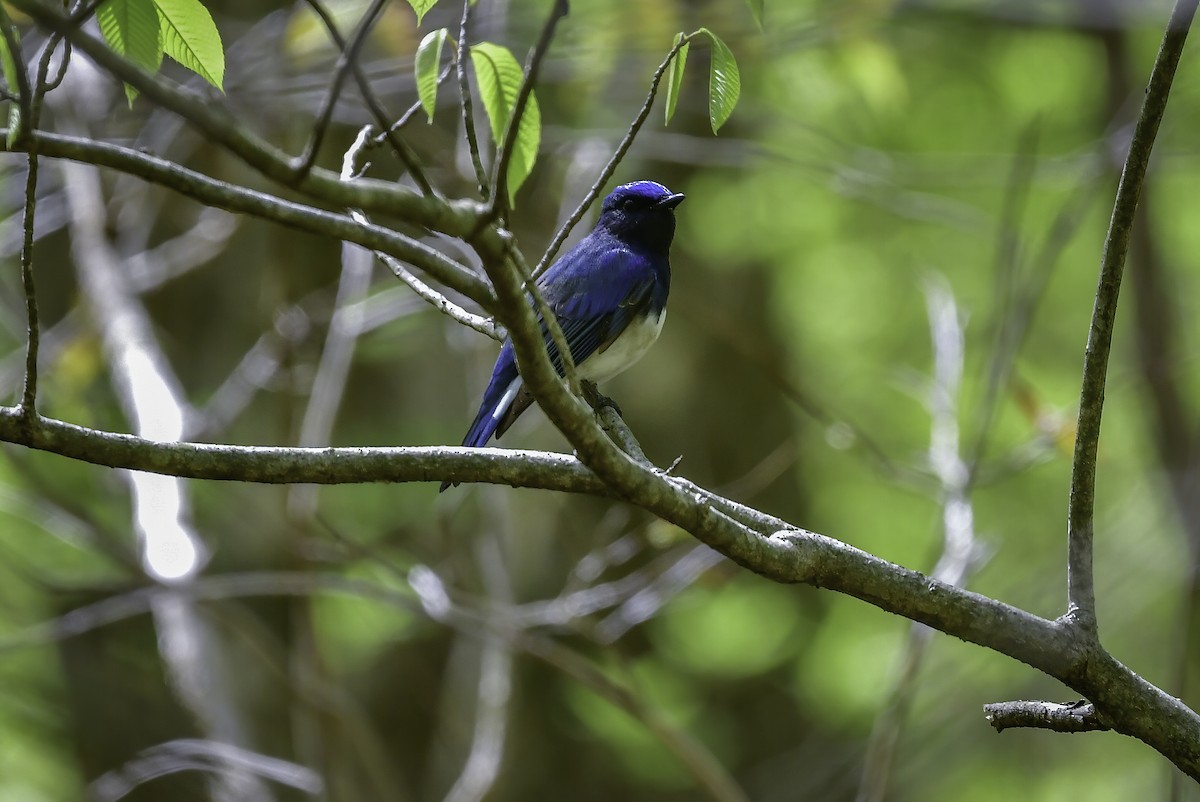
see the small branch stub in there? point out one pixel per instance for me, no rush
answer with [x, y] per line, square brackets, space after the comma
[1078, 716]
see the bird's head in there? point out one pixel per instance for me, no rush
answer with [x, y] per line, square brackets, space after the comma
[641, 213]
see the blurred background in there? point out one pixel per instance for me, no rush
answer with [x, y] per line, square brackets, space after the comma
[883, 275]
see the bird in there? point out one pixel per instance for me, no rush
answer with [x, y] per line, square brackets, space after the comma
[609, 295]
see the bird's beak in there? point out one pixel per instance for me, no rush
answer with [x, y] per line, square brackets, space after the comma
[671, 201]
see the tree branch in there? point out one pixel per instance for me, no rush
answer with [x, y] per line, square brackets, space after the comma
[1081, 594]
[427, 293]
[1071, 717]
[282, 465]
[233, 198]
[33, 328]
[1066, 649]
[1134, 706]
[504, 149]
[464, 89]
[388, 131]
[626, 142]
[440, 302]
[348, 59]
[463, 219]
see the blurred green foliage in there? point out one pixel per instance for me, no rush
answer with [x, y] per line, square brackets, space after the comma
[873, 152]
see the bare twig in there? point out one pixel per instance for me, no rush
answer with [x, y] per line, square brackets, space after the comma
[23, 92]
[481, 324]
[388, 131]
[233, 198]
[33, 336]
[1156, 333]
[216, 123]
[28, 102]
[504, 148]
[1081, 591]
[383, 135]
[626, 142]
[424, 291]
[347, 61]
[45, 84]
[464, 89]
[1069, 717]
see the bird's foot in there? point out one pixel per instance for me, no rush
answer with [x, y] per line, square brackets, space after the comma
[597, 399]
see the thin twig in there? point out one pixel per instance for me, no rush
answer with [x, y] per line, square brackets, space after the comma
[382, 118]
[464, 89]
[29, 390]
[44, 84]
[383, 136]
[23, 92]
[347, 60]
[1081, 592]
[507, 144]
[239, 199]
[611, 167]
[33, 109]
[56, 81]
[481, 324]
[439, 301]
[218, 124]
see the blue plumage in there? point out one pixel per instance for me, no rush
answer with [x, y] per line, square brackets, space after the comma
[609, 295]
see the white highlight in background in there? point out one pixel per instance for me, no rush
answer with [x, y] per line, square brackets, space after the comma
[170, 550]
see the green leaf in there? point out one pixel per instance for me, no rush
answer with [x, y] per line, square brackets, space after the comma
[499, 76]
[131, 29]
[675, 78]
[427, 65]
[756, 10]
[190, 37]
[724, 81]
[421, 6]
[15, 123]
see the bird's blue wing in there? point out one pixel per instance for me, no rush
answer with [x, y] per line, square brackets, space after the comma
[595, 291]
[594, 302]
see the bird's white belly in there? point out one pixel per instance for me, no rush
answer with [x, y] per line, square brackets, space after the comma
[628, 348]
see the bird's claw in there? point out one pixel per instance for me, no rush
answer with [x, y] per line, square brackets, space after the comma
[598, 399]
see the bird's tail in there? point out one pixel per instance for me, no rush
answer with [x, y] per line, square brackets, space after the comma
[497, 399]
